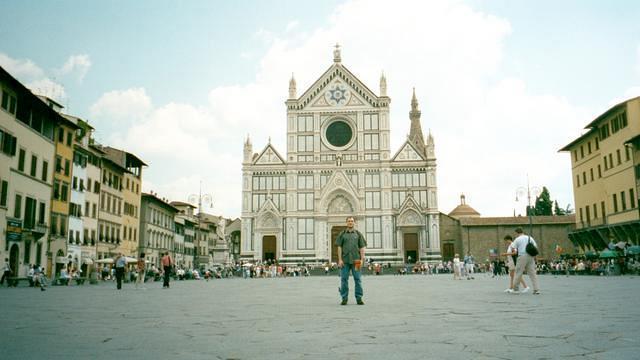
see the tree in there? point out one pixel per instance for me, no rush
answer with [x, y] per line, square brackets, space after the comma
[557, 210]
[544, 205]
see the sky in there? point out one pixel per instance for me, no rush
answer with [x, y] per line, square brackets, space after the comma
[502, 85]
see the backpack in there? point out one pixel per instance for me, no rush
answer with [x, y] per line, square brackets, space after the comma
[531, 249]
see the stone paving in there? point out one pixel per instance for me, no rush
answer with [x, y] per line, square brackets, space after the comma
[405, 317]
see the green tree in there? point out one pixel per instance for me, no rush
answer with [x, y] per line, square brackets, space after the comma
[544, 205]
[557, 210]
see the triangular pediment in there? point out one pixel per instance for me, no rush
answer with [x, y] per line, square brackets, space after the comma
[339, 188]
[407, 153]
[337, 94]
[268, 216]
[360, 94]
[269, 156]
[409, 213]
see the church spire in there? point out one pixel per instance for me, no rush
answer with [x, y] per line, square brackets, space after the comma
[383, 85]
[292, 87]
[248, 149]
[415, 132]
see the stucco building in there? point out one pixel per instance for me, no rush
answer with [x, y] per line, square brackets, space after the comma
[338, 163]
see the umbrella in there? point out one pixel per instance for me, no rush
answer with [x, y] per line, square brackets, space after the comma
[105, 261]
[247, 265]
[608, 254]
[633, 250]
[621, 244]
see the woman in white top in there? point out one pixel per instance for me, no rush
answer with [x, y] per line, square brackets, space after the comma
[456, 267]
[512, 255]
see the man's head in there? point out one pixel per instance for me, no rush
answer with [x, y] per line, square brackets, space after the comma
[351, 221]
[519, 231]
[508, 238]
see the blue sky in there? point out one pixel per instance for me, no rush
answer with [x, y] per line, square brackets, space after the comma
[502, 84]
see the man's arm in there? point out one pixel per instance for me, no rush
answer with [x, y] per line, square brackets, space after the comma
[340, 256]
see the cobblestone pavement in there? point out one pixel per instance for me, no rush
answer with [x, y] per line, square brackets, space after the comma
[405, 317]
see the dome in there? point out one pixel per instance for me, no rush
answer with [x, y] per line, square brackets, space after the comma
[463, 210]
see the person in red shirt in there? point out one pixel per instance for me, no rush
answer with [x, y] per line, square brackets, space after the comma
[167, 265]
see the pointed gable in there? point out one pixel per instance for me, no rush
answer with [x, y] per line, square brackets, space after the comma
[269, 156]
[407, 153]
[337, 74]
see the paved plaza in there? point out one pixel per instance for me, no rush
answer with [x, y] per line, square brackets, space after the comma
[405, 317]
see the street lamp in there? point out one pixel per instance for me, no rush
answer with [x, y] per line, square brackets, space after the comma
[206, 199]
[528, 191]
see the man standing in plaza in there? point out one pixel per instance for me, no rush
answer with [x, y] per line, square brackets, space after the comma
[121, 262]
[525, 262]
[351, 245]
[6, 273]
[167, 265]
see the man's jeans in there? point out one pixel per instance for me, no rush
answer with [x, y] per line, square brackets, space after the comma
[344, 281]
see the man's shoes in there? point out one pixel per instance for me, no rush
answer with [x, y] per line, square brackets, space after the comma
[507, 290]
[536, 292]
[525, 290]
[513, 292]
[42, 289]
[359, 302]
[343, 302]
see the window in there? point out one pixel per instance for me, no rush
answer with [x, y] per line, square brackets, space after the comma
[305, 201]
[94, 212]
[599, 171]
[17, 208]
[58, 164]
[34, 165]
[69, 138]
[60, 135]
[9, 102]
[575, 155]
[581, 151]
[371, 122]
[610, 161]
[373, 232]
[67, 167]
[588, 211]
[595, 211]
[30, 208]
[591, 173]
[21, 156]
[305, 142]
[615, 203]
[8, 143]
[371, 142]
[618, 156]
[581, 217]
[305, 123]
[54, 224]
[45, 170]
[578, 180]
[627, 157]
[74, 183]
[603, 209]
[597, 144]
[305, 181]
[27, 252]
[589, 147]
[623, 201]
[4, 189]
[606, 164]
[632, 198]
[42, 213]
[64, 192]
[81, 187]
[372, 199]
[584, 177]
[372, 180]
[305, 234]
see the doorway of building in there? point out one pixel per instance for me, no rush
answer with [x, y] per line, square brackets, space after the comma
[269, 248]
[410, 248]
[14, 258]
[335, 231]
[447, 251]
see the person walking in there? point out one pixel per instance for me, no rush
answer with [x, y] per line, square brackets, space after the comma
[351, 246]
[120, 262]
[167, 264]
[140, 266]
[512, 258]
[6, 273]
[525, 262]
[456, 267]
[469, 263]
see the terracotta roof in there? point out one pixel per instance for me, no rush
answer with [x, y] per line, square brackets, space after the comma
[518, 220]
[463, 210]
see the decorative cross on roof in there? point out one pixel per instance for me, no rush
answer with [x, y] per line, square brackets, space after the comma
[336, 54]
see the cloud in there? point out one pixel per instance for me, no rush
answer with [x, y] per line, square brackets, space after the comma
[49, 88]
[490, 130]
[122, 106]
[34, 78]
[77, 65]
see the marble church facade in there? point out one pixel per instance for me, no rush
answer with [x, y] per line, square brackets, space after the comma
[338, 163]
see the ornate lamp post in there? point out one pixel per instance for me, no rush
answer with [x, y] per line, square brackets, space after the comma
[207, 200]
[528, 191]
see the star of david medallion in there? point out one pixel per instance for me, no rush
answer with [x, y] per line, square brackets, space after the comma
[337, 95]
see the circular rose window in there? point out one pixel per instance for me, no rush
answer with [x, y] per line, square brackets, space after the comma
[339, 133]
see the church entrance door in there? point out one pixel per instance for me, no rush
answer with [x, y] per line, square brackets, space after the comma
[268, 248]
[410, 248]
[447, 251]
[335, 231]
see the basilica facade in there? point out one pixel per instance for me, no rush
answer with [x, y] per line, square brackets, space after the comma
[338, 163]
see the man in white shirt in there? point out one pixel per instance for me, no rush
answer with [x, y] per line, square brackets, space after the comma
[525, 262]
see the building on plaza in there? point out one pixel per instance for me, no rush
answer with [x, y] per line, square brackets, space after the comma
[464, 231]
[233, 236]
[157, 228]
[27, 147]
[338, 163]
[605, 178]
[110, 212]
[60, 236]
[130, 189]
[188, 221]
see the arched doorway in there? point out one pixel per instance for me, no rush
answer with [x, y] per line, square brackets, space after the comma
[14, 259]
[269, 248]
[410, 248]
